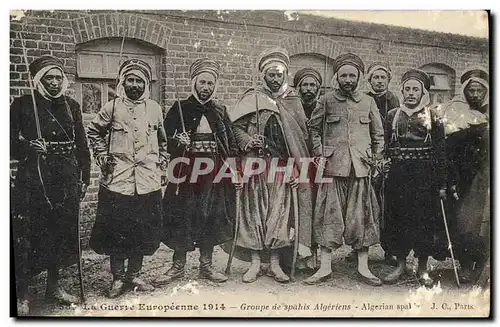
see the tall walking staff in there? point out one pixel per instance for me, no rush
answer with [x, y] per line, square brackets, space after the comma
[450, 247]
[383, 168]
[315, 252]
[295, 200]
[236, 228]
[238, 192]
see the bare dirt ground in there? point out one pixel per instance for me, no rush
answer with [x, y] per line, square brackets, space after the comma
[97, 279]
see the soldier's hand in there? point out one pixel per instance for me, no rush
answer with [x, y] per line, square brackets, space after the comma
[442, 193]
[257, 142]
[83, 191]
[238, 185]
[163, 164]
[183, 138]
[454, 193]
[38, 145]
[101, 159]
[164, 180]
[320, 162]
[237, 180]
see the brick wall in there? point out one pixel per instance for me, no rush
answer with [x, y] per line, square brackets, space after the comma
[234, 38]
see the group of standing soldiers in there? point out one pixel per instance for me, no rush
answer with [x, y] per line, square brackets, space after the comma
[391, 161]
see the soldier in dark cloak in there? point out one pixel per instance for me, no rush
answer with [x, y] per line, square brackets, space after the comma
[466, 119]
[198, 212]
[417, 178]
[52, 178]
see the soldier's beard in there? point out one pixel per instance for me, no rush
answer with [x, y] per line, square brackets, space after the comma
[308, 97]
[134, 93]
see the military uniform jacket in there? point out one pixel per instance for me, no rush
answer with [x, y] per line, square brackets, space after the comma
[353, 132]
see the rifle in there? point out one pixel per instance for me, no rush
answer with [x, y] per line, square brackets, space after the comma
[37, 121]
[450, 247]
[181, 115]
[110, 161]
[260, 151]
[296, 232]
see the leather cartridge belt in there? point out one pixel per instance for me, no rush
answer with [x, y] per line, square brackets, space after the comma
[203, 143]
[424, 153]
[59, 148]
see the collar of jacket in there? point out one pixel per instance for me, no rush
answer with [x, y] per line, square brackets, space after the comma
[379, 95]
[202, 107]
[356, 96]
[41, 100]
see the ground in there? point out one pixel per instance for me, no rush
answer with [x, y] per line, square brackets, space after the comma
[97, 278]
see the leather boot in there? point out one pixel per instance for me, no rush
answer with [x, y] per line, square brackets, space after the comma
[133, 271]
[206, 269]
[175, 272]
[54, 292]
[118, 270]
[275, 268]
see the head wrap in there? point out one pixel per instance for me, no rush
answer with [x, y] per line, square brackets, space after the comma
[39, 67]
[372, 69]
[476, 74]
[474, 71]
[418, 75]
[142, 70]
[274, 58]
[351, 60]
[348, 59]
[306, 72]
[204, 65]
[425, 82]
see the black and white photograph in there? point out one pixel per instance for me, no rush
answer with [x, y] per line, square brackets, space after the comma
[250, 163]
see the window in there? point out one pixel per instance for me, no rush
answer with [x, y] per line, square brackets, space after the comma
[442, 81]
[97, 70]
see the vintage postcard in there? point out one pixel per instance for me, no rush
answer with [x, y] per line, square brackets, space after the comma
[250, 163]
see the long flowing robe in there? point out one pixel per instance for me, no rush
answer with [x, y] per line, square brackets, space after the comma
[469, 161]
[267, 213]
[202, 213]
[50, 234]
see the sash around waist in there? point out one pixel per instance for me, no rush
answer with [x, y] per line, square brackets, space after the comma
[416, 153]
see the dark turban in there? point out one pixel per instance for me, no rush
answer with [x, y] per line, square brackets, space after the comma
[204, 65]
[276, 55]
[306, 72]
[45, 61]
[136, 64]
[419, 75]
[480, 73]
[348, 59]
